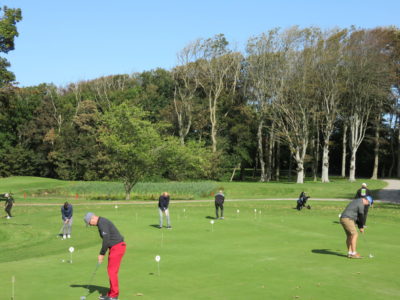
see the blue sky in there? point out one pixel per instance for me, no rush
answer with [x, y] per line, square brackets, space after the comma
[67, 41]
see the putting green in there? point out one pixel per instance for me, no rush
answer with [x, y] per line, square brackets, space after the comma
[274, 253]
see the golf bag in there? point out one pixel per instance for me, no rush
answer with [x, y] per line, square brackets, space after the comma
[301, 202]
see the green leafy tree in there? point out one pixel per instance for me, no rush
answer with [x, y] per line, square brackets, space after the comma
[8, 32]
[133, 142]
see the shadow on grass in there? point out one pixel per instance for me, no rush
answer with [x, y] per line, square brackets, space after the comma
[92, 288]
[327, 251]
[155, 226]
[15, 224]
[209, 217]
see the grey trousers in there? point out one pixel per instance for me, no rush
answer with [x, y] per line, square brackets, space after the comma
[68, 227]
[161, 217]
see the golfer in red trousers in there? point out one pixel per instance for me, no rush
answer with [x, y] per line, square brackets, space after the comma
[113, 241]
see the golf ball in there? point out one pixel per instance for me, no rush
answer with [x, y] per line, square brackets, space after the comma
[63, 260]
[212, 221]
[238, 211]
[157, 258]
[116, 206]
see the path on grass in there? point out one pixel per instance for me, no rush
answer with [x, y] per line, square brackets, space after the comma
[390, 193]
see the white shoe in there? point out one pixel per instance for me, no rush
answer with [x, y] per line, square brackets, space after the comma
[64, 237]
[8, 217]
[69, 236]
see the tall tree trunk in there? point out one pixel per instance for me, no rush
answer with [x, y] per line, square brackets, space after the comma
[325, 161]
[398, 148]
[352, 175]
[290, 167]
[344, 149]
[300, 168]
[277, 160]
[376, 148]
[234, 171]
[270, 152]
[213, 120]
[261, 150]
[299, 157]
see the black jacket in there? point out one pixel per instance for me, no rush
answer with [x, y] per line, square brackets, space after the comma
[109, 233]
[219, 198]
[362, 192]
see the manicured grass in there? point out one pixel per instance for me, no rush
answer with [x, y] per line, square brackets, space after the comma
[274, 253]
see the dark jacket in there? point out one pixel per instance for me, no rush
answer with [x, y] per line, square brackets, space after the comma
[363, 192]
[109, 233]
[66, 213]
[219, 198]
[9, 200]
[163, 202]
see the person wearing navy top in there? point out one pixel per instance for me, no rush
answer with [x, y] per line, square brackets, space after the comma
[66, 215]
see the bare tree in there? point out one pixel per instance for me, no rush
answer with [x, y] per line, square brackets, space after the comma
[329, 88]
[365, 77]
[293, 100]
[186, 84]
[344, 149]
[263, 71]
[218, 74]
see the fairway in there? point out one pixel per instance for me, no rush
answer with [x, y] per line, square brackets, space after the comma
[275, 252]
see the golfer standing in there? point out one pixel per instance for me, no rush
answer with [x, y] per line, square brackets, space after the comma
[66, 215]
[9, 202]
[163, 203]
[365, 192]
[219, 204]
[114, 242]
[352, 215]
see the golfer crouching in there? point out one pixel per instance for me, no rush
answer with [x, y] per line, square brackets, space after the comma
[353, 216]
[113, 241]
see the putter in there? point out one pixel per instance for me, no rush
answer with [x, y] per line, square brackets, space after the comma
[369, 249]
[61, 231]
[90, 281]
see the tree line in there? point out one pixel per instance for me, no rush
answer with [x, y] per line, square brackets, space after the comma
[306, 101]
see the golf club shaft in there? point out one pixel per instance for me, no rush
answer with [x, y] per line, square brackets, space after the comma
[91, 278]
[366, 243]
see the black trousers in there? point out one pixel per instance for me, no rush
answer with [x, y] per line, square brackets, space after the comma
[221, 207]
[8, 210]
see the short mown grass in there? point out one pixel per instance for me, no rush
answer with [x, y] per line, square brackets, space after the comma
[262, 250]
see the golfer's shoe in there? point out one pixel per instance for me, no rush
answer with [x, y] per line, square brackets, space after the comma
[107, 298]
[8, 217]
[64, 237]
[69, 236]
[222, 218]
[169, 227]
[357, 255]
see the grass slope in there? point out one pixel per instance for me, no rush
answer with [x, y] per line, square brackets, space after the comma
[274, 253]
